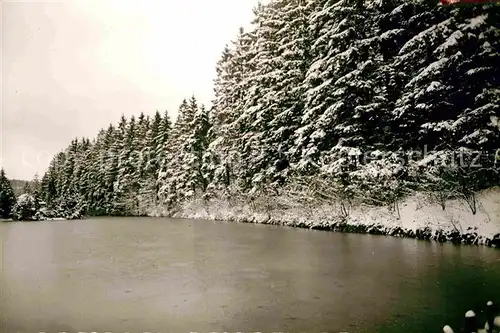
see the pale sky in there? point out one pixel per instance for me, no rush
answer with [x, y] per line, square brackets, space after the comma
[71, 67]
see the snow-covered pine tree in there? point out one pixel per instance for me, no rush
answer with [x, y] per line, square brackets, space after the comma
[149, 191]
[126, 200]
[113, 139]
[173, 178]
[257, 115]
[198, 177]
[224, 113]
[234, 85]
[96, 186]
[338, 79]
[27, 188]
[26, 208]
[139, 144]
[141, 163]
[36, 184]
[68, 167]
[450, 99]
[164, 135]
[80, 173]
[285, 97]
[49, 183]
[7, 197]
[271, 79]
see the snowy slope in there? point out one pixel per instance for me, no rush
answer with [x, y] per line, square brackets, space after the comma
[417, 218]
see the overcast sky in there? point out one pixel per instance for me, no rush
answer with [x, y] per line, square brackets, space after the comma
[71, 67]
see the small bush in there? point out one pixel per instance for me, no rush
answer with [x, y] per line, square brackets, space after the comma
[26, 208]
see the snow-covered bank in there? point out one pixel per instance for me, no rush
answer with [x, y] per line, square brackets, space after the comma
[415, 217]
[45, 219]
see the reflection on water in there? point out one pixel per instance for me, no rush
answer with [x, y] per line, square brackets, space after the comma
[162, 275]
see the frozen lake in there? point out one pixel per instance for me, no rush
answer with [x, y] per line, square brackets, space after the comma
[165, 275]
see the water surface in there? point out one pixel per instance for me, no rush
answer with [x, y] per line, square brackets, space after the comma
[165, 275]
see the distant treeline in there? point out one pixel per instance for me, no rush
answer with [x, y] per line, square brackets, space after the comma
[19, 186]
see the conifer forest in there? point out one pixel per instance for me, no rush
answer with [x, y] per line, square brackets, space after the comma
[343, 103]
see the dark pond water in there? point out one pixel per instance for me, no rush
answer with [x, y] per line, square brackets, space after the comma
[164, 275]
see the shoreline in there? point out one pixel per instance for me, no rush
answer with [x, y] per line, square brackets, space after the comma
[414, 217]
[424, 234]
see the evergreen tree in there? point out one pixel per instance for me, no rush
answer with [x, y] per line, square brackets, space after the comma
[27, 188]
[26, 208]
[125, 199]
[199, 145]
[149, 190]
[36, 184]
[95, 180]
[233, 87]
[7, 197]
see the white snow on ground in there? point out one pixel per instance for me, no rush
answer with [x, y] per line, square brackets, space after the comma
[414, 213]
[475, 22]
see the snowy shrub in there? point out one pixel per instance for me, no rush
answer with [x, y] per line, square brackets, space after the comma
[26, 208]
